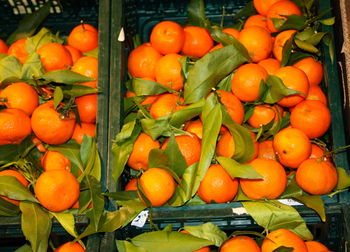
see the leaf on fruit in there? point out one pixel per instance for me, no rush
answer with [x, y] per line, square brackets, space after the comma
[13, 189]
[65, 76]
[10, 68]
[147, 87]
[32, 67]
[208, 231]
[238, 170]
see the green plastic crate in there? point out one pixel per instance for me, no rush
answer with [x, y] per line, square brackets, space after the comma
[65, 15]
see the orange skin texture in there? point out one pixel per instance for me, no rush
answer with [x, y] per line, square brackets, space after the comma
[165, 104]
[54, 160]
[131, 185]
[270, 65]
[83, 129]
[316, 177]
[197, 41]
[292, 147]
[226, 145]
[311, 117]
[315, 246]
[57, 190]
[279, 43]
[316, 93]
[20, 95]
[239, 244]
[217, 185]
[257, 41]
[283, 237]
[19, 177]
[14, 125]
[233, 105]
[278, 9]
[256, 20]
[266, 150]
[262, 115]
[138, 158]
[271, 186]
[3, 47]
[245, 83]
[74, 53]
[319, 152]
[142, 61]
[168, 71]
[48, 125]
[312, 68]
[54, 56]
[87, 66]
[190, 147]
[70, 247]
[158, 186]
[83, 37]
[18, 50]
[87, 107]
[167, 37]
[295, 79]
[195, 127]
[262, 6]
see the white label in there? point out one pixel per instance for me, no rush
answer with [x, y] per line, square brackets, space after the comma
[140, 219]
[121, 36]
[239, 210]
[290, 202]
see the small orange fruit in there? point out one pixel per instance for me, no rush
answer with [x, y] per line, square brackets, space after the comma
[74, 53]
[280, 41]
[88, 129]
[18, 49]
[138, 158]
[231, 31]
[256, 20]
[165, 104]
[195, 127]
[57, 190]
[233, 105]
[315, 246]
[54, 160]
[87, 66]
[316, 176]
[197, 41]
[19, 177]
[226, 145]
[292, 147]
[70, 247]
[83, 37]
[271, 186]
[283, 237]
[167, 37]
[319, 152]
[131, 185]
[266, 150]
[240, 243]
[3, 47]
[316, 93]
[217, 185]
[262, 6]
[87, 107]
[246, 81]
[54, 56]
[262, 115]
[271, 65]
[312, 68]
[158, 186]
[168, 71]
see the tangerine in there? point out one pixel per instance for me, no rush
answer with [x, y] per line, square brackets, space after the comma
[312, 68]
[256, 20]
[74, 53]
[165, 104]
[87, 66]
[54, 160]
[83, 37]
[70, 247]
[197, 41]
[283, 237]
[266, 150]
[18, 49]
[3, 47]
[316, 93]
[87, 107]
[279, 43]
[240, 243]
[315, 246]
[195, 127]
[232, 105]
[88, 129]
[168, 71]
[226, 145]
[54, 56]
[262, 6]
[271, 65]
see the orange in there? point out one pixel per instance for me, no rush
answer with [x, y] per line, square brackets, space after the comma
[74, 53]
[83, 37]
[87, 66]
[54, 160]
[279, 10]
[226, 145]
[189, 146]
[292, 147]
[147, 100]
[256, 20]
[197, 41]
[158, 186]
[271, 65]
[19, 177]
[239, 244]
[70, 247]
[20, 95]
[316, 93]
[283, 237]
[195, 127]
[50, 126]
[14, 126]
[168, 71]
[233, 105]
[165, 104]
[138, 158]
[315, 246]
[88, 129]
[319, 152]
[231, 31]
[312, 68]
[142, 61]
[316, 176]
[54, 56]
[262, 6]
[271, 186]
[167, 37]
[245, 83]
[279, 43]
[257, 41]
[3, 47]
[204, 249]
[295, 79]
[217, 185]
[87, 107]
[18, 49]
[311, 117]
[57, 190]
[266, 150]
[262, 115]
[131, 185]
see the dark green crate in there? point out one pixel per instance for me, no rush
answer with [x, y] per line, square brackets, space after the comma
[64, 16]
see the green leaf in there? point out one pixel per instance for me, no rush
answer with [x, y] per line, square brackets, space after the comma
[208, 231]
[225, 83]
[293, 22]
[126, 246]
[36, 225]
[13, 189]
[90, 158]
[328, 40]
[246, 11]
[28, 25]
[66, 77]
[146, 87]
[305, 46]
[8, 209]
[77, 90]
[57, 97]
[314, 202]
[328, 21]
[163, 241]
[316, 38]
[44, 36]
[92, 53]
[238, 170]
[273, 215]
[155, 127]
[67, 221]
[24, 248]
[129, 210]
[8, 153]
[176, 160]
[126, 132]
[32, 67]
[196, 13]
[292, 190]
[157, 159]
[208, 71]
[122, 195]
[287, 51]
[185, 66]
[10, 67]
[283, 249]
[343, 179]
[180, 117]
